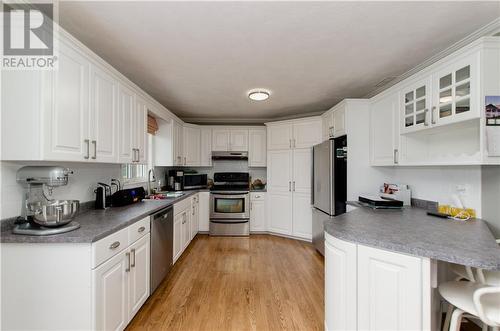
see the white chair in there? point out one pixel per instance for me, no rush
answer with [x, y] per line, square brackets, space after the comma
[478, 297]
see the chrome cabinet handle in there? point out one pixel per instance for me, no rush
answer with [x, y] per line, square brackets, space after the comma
[290, 186]
[433, 121]
[184, 160]
[141, 229]
[94, 142]
[290, 143]
[425, 117]
[114, 245]
[128, 262]
[133, 255]
[87, 141]
[294, 143]
[251, 205]
[293, 186]
[396, 156]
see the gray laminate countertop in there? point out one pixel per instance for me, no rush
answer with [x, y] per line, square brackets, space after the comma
[95, 224]
[412, 231]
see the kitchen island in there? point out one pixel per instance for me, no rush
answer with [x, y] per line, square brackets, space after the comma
[381, 266]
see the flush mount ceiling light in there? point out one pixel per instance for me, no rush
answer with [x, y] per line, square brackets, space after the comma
[258, 95]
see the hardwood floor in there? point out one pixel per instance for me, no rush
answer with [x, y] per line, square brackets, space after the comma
[258, 283]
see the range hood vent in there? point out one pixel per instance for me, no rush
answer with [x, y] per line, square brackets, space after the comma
[229, 155]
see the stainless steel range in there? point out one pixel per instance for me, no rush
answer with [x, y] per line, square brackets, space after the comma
[230, 204]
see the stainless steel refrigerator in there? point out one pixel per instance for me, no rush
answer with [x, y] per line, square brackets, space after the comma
[329, 185]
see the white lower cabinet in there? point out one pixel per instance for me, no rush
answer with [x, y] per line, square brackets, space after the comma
[374, 289]
[279, 212]
[195, 215]
[258, 212]
[183, 229]
[340, 285]
[139, 274]
[204, 211]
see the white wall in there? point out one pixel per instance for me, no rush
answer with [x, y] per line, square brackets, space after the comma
[490, 178]
[81, 184]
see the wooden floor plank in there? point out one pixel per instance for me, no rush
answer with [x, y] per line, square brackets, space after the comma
[258, 283]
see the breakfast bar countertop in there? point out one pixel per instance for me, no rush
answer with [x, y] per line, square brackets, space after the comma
[411, 231]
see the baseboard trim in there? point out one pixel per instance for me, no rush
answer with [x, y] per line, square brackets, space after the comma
[272, 234]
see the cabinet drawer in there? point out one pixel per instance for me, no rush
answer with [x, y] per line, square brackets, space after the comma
[257, 196]
[109, 246]
[138, 229]
[181, 206]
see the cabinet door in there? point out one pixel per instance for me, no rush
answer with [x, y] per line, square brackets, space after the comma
[126, 129]
[178, 144]
[206, 147]
[257, 148]
[220, 140]
[389, 290]
[238, 140]
[111, 293]
[194, 216]
[383, 131]
[279, 212]
[327, 125]
[306, 133]
[279, 136]
[302, 170]
[302, 215]
[339, 122]
[456, 91]
[279, 171]
[104, 116]
[191, 146]
[415, 106]
[186, 229]
[66, 124]
[141, 131]
[139, 274]
[178, 243]
[258, 215]
[340, 285]
[204, 211]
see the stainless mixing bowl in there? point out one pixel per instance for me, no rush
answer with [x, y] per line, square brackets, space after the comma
[55, 212]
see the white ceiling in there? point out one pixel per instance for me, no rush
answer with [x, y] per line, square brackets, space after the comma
[199, 59]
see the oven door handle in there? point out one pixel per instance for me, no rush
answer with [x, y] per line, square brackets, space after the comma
[229, 195]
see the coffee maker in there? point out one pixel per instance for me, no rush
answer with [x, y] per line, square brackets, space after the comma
[175, 180]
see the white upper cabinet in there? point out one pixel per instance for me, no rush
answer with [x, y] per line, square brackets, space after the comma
[220, 140]
[327, 125]
[339, 127]
[104, 115]
[302, 170]
[301, 133]
[126, 116]
[279, 136]
[257, 147]
[66, 130]
[415, 106]
[238, 140]
[384, 141]
[229, 139]
[191, 145]
[455, 88]
[206, 147]
[306, 132]
[178, 145]
[140, 131]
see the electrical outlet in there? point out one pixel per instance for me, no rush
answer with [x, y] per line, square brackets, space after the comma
[461, 189]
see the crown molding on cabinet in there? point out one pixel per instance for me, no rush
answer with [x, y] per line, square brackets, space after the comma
[247, 121]
[490, 29]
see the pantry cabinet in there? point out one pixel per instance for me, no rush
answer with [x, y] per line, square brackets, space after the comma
[373, 289]
[289, 172]
[302, 133]
[257, 147]
[229, 139]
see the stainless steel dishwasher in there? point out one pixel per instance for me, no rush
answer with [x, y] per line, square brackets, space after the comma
[162, 236]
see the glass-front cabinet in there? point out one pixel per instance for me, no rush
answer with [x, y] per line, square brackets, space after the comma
[416, 102]
[456, 92]
[447, 95]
